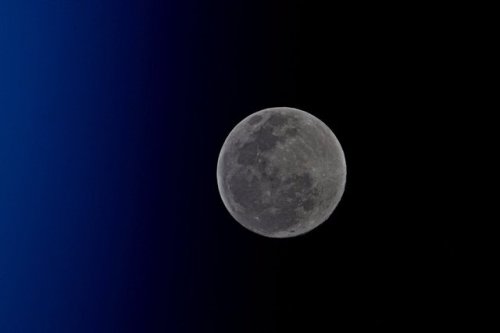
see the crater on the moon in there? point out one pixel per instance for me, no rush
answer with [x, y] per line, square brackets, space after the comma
[275, 174]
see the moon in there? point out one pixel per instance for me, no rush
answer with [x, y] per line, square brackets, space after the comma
[281, 172]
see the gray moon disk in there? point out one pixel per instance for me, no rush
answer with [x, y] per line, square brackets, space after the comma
[281, 172]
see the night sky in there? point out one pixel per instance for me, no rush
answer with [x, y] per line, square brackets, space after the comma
[112, 116]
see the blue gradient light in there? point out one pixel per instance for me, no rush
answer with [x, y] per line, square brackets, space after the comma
[87, 126]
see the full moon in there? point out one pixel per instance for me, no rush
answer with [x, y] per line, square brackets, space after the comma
[281, 172]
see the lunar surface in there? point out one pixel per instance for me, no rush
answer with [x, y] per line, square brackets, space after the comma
[281, 172]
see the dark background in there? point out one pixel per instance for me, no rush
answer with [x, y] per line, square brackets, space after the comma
[112, 115]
